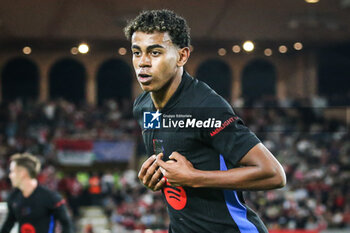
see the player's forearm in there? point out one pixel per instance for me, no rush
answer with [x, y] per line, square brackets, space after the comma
[65, 221]
[243, 178]
[66, 226]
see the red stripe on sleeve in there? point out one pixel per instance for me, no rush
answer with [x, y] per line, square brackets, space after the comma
[61, 202]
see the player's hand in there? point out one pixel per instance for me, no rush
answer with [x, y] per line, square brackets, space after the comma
[178, 170]
[150, 174]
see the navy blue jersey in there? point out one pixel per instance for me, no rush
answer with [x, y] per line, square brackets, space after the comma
[202, 126]
[36, 213]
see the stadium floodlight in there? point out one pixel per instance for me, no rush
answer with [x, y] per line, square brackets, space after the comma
[83, 48]
[248, 46]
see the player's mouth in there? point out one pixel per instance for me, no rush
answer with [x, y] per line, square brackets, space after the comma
[144, 78]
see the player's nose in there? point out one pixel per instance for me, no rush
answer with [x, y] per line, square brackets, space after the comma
[145, 61]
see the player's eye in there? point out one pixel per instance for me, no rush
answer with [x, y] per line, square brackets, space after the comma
[136, 53]
[155, 53]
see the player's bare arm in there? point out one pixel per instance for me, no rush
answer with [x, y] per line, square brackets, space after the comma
[259, 171]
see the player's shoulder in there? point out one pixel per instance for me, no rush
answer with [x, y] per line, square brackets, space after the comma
[143, 99]
[49, 196]
[209, 97]
[142, 102]
[42, 190]
[209, 103]
[195, 91]
[14, 194]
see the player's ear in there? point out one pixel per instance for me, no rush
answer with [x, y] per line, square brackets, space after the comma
[184, 54]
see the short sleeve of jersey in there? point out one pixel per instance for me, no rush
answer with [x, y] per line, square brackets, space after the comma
[232, 139]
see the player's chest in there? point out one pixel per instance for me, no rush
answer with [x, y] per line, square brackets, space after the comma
[168, 142]
[188, 144]
[29, 209]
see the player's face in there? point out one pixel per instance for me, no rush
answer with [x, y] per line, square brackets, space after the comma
[154, 59]
[16, 174]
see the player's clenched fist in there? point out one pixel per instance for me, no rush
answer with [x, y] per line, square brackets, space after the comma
[150, 174]
[178, 170]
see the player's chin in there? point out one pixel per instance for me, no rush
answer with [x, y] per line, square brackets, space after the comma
[147, 88]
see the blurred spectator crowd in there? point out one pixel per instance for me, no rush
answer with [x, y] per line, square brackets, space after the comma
[314, 151]
[315, 154]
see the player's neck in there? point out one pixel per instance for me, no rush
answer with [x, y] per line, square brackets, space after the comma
[161, 97]
[28, 186]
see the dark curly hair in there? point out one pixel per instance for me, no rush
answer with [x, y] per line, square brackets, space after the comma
[161, 21]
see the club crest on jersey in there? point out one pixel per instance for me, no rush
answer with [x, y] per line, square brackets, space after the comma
[151, 120]
[26, 211]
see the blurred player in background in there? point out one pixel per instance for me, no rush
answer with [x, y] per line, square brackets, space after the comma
[205, 170]
[34, 207]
